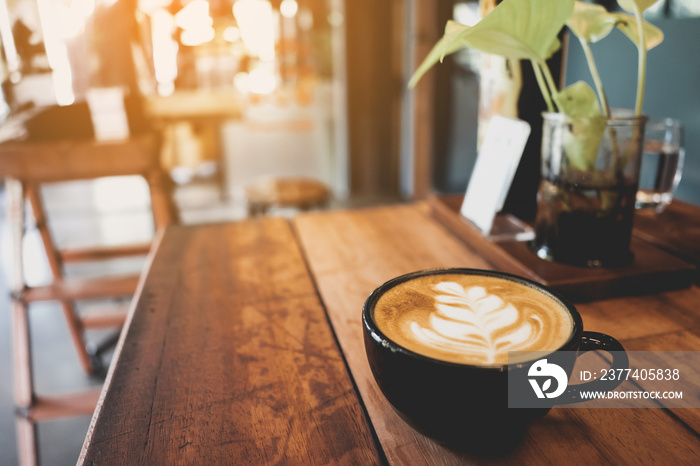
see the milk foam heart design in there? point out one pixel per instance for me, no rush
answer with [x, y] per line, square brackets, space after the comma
[469, 319]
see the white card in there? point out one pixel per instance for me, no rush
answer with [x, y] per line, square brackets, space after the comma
[494, 170]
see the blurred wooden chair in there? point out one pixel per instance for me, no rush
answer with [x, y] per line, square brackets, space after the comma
[295, 192]
[25, 166]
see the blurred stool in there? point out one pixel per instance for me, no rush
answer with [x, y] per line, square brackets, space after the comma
[295, 192]
[26, 165]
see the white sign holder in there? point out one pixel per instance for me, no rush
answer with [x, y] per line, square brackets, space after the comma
[493, 174]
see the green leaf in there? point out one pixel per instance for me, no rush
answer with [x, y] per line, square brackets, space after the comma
[590, 22]
[519, 29]
[554, 46]
[629, 5]
[582, 141]
[578, 100]
[452, 31]
[438, 51]
[587, 125]
[653, 36]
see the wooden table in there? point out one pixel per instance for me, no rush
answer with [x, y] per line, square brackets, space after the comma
[245, 347]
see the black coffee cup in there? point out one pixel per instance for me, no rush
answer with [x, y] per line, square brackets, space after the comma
[465, 405]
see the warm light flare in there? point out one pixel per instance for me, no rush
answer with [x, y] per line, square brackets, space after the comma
[196, 24]
[289, 8]
[232, 34]
[262, 81]
[194, 15]
[56, 30]
[240, 81]
[194, 37]
[71, 17]
[256, 22]
[164, 51]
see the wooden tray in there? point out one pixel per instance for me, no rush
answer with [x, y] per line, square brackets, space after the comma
[653, 270]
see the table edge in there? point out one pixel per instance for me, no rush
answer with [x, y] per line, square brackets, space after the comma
[157, 240]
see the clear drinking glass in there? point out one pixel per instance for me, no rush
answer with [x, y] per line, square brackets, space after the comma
[662, 164]
[585, 204]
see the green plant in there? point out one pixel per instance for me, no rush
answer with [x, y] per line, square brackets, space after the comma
[528, 30]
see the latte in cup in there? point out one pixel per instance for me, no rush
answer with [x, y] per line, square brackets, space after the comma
[472, 319]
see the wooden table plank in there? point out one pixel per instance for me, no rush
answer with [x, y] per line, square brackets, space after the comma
[677, 230]
[643, 316]
[351, 253]
[684, 339]
[228, 358]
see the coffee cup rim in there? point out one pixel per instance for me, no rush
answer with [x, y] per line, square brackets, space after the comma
[381, 338]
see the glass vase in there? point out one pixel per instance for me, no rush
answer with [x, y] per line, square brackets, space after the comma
[585, 202]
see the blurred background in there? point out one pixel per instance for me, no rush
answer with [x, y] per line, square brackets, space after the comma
[241, 92]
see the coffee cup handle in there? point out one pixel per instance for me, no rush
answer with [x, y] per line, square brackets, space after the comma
[592, 341]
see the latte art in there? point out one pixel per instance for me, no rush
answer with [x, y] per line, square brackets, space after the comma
[471, 319]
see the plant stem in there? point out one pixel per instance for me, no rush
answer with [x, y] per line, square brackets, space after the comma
[642, 65]
[548, 76]
[543, 85]
[596, 77]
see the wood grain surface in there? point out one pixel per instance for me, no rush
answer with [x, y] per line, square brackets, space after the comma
[228, 358]
[43, 162]
[676, 230]
[351, 253]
